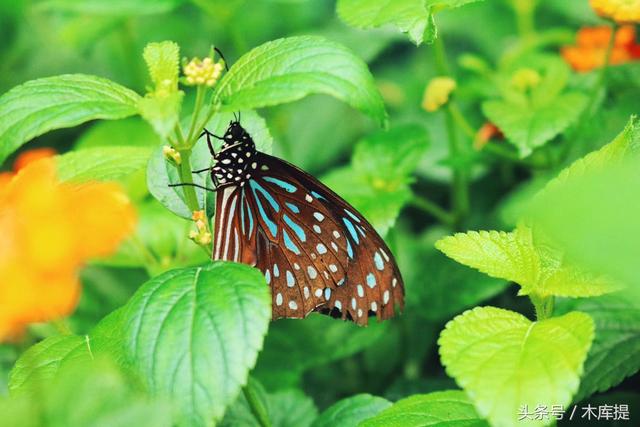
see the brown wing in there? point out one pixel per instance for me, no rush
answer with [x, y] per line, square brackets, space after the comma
[316, 251]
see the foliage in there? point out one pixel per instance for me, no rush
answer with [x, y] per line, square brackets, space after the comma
[519, 149]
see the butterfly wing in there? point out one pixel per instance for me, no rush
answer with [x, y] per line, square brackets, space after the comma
[316, 251]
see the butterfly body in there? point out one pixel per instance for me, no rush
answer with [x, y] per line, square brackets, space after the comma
[316, 251]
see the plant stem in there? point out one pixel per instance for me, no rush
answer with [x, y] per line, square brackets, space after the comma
[524, 10]
[257, 408]
[432, 208]
[460, 187]
[460, 120]
[196, 112]
[543, 306]
[185, 177]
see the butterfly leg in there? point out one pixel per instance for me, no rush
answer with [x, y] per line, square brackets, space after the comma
[183, 184]
[209, 135]
[201, 170]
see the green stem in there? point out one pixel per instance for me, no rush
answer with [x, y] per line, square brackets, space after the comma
[460, 187]
[461, 121]
[432, 209]
[185, 177]
[524, 10]
[543, 306]
[258, 409]
[196, 112]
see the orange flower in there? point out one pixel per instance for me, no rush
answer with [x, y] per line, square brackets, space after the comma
[31, 156]
[621, 11]
[48, 230]
[486, 133]
[591, 46]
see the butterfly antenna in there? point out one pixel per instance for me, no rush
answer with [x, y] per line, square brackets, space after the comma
[222, 56]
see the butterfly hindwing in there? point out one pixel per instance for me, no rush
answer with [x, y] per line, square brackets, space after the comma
[316, 251]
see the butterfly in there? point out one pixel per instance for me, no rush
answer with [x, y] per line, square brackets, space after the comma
[315, 250]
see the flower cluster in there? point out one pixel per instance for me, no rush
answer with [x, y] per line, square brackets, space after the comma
[622, 11]
[201, 236]
[49, 229]
[203, 72]
[591, 47]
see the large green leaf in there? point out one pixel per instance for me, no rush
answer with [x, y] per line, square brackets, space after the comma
[414, 17]
[288, 69]
[39, 106]
[351, 411]
[442, 409]
[193, 334]
[101, 163]
[516, 256]
[596, 206]
[40, 364]
[504, 361]
[615, 353]
[377, 181]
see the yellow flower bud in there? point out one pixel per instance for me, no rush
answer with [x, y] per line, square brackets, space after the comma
[525, 79]
[205, 238]
[437, 93]
[171, 153]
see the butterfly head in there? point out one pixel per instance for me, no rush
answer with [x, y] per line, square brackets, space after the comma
[235, 162]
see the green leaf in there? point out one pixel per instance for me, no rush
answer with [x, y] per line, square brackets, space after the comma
[414, 17]
[161, 107]
[38, 106]
[101, 163]
[351, 411]
[293, 347]
[163, 63]
[529, 127]
[288, 69]
[442, 409]
[377, 181]
[40, 364]
[615, 353]
[193, 334]
[161, 173]
[419, 260]
[291, 408]
[516, 257]
[128, 132]
[504, 361]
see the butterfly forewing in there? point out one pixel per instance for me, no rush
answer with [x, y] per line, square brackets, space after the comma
[315, 250]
